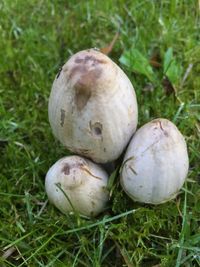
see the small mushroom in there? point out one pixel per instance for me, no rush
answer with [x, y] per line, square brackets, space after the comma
[156, 163]
[76, 184]
[93, 107]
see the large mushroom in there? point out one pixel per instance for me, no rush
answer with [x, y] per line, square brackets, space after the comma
[156, 163]
[77, 184]
[93, 107]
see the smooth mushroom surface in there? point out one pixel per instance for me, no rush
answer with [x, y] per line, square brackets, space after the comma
[93, 107]
[156, 163]
[76, 184]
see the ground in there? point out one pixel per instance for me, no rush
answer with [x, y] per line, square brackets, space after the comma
[159, 49]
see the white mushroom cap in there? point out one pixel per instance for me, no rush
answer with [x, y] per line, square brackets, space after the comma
[156, 163]
[74, 183]
[93, 107]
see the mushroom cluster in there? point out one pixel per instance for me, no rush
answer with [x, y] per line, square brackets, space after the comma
[93, 112]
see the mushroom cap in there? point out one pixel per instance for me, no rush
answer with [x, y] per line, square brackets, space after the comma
[76, 184]
[156, 163]
[93, 107]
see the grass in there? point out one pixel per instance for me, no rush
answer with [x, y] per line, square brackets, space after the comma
[37, 37]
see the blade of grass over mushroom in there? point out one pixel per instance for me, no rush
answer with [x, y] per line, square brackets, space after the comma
[124, 163]
[88, 171]
[135, 61]
[67, 198]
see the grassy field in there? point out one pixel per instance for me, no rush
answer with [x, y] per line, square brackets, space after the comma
[36, 38]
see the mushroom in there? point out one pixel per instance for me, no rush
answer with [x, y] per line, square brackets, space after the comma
[93, 107]
[156, 163]
[76, 184]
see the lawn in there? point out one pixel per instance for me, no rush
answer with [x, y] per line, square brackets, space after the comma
[36, 39]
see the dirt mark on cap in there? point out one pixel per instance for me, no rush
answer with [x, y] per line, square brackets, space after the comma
[88, 70]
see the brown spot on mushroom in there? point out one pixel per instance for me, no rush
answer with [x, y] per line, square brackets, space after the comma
[131, 168]
[166, 133]
[77, 70]
[66, 169]
[82, 95]
[96, 128]
[58, 74]
[62, 117]
[94, 60]
[78, 60]
[85, 84]
[160, 125]
[89, 58]
[84, 69]
[88, 71]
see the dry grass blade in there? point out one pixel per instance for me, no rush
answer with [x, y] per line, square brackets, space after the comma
[168, 86]
[8, 253]
[155, 59]
[187, 72]
[198, 128]
[107, 49]
[126, 259]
